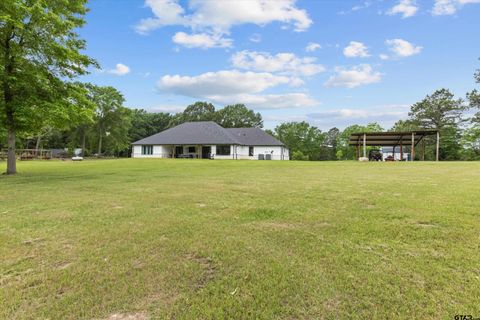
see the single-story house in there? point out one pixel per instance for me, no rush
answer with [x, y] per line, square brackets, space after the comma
[208, 140]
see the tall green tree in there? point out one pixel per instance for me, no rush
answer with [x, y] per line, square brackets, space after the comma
[111, 119]
[303, 140]
[471, 136]
[441, 111]
[199, 111]
[40, 51]
[238, 116]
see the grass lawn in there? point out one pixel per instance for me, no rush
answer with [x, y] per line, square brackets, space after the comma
[200, 239]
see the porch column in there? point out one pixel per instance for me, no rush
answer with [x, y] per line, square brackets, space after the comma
[413, 146]
[401, 150]
[173, 151]
[364, 145]
[438, 146]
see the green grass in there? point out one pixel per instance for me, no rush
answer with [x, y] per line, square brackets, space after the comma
[194, 239]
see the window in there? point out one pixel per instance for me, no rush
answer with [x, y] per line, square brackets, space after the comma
[223, 150]
[192, 149]
[250, 151]
[147, 150]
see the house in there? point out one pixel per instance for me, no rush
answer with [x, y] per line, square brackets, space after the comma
[208, 140]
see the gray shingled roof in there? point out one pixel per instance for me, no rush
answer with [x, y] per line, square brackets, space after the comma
[253, 137]
[208, 132]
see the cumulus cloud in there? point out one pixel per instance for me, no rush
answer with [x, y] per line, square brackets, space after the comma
[269, 101]
[356, 76]
[312, 46]
[401, 48]
[385, 115]
[233, 86]
[201, 40]
[356, 50]
[225, 82]
[120, 69]
[284, 63]
[449, 7]
[407, 8]
[218, 17]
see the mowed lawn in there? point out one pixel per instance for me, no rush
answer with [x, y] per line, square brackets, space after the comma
[201, 239]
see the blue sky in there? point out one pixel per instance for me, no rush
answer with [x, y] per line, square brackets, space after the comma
[331, 63]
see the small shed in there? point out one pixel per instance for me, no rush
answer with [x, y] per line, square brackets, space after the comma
[394, 139]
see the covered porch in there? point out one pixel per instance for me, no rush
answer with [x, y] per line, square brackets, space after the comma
[192, 151]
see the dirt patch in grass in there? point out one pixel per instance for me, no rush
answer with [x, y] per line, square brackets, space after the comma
[208, 267]
[128, 316]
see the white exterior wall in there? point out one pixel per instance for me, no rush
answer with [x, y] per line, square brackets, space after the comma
[158, 152]
[277, 152]
[236, 152]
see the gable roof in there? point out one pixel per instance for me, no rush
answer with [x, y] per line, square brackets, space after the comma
[209, 132]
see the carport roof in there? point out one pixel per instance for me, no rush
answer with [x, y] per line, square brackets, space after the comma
[389, 139]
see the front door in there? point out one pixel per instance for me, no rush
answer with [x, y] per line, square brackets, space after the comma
[206, 152]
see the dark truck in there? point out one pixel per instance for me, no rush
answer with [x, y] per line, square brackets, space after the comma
[375, 155]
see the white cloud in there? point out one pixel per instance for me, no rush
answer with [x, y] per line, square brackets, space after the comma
[407, 8]
[269, 101]
[255, 38]
[312, 46]
[225, 82]
[384, 56]
[201, 40]
[284, 63]
[356, 49]
[402, 48]
[385, 115]
[356, 76]
[218, 17]
[120, 69]
[233, 86]
[449, 7]
[168, 108]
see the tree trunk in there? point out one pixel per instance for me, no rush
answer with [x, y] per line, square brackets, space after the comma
[100, 145]
[11, 159]
[83, 143]
[37, 145]
[7, 100]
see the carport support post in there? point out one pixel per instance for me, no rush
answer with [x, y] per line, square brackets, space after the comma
[438, 146]
[364, 145]
[401, 151]
[413, 146]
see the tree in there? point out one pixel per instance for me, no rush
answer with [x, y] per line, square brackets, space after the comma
[40, 52]
[406, 125]
[111, 119]
[199, 111]
[474, 99]
[329, 147]
[303, 141]
[438, 110]
[441, 111]
[238, 116]
[145, 124]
